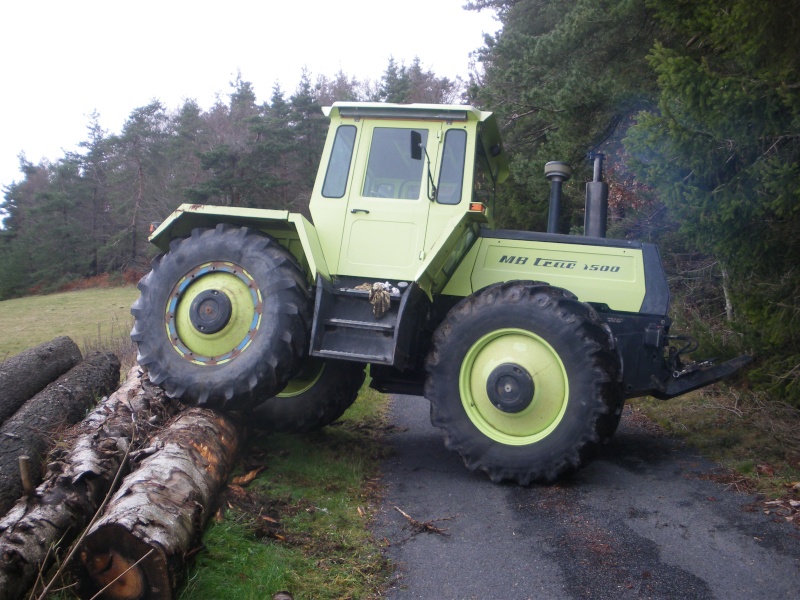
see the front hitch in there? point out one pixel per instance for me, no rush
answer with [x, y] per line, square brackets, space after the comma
[696, 375]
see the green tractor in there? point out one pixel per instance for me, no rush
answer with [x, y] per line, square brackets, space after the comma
[526, 343]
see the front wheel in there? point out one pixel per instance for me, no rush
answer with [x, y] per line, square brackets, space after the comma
[222, 318]
[524, 381]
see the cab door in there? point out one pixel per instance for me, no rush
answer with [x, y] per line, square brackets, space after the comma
[388, 205]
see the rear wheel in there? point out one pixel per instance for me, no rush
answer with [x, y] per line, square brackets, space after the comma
[523, 380]
[222, 318]
[313, 399]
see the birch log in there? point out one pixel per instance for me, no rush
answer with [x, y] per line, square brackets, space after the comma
[139, 547]
[34, 428]
[28, 372]
[77, 482]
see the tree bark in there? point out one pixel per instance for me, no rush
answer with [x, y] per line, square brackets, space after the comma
[139, 547]
[77, 483]
[28, 372]
[33, 429]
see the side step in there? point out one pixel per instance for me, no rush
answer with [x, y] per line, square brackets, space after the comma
[346, 328]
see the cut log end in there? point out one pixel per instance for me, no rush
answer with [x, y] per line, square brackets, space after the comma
[118, 566]
[143, 543]
[117, 575]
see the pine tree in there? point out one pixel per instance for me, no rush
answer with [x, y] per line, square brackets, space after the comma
[723, 149]
[563, 77]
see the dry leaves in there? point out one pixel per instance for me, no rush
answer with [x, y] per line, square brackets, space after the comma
[247, 477]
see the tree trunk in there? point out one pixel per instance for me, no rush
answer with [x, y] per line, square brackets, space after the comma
[726, 291]
[77, 483]
[139, 547]
[28, 372]
[34, 428]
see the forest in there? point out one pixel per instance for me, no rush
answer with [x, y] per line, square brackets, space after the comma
[695, 103]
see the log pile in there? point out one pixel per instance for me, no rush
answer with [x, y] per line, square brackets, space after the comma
[31, 430]
[28, 372]
[134, 483]
[78, 481]
[138, 548]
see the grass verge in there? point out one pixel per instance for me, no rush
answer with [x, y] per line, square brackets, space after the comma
[302, 524]
[754, 438]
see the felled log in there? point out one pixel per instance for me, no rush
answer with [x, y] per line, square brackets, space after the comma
[32, 430]
[139, 547]
[28, 372]
[78, 481]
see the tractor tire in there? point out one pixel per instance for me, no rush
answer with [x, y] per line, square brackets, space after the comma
[319, 395]
[523, 379]
[223, 318]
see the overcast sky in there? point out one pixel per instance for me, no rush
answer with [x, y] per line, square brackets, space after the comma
[62, 59]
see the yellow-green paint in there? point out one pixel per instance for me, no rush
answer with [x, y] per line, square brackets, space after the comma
[551, 386]
[396, 237]
[220, 345]
[392, 238]
[600, 274]
[305, 380]
[292, 230]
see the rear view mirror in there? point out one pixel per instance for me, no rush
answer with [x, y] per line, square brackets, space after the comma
[416, 145]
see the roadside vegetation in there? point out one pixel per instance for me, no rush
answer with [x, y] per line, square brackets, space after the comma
[754, 438]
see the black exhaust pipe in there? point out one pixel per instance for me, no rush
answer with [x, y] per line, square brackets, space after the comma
[594, 223]
[557, 173]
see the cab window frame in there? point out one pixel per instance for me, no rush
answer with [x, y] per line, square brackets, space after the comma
[452, 170]
[337, 173]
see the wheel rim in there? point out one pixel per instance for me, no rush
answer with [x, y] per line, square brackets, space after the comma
[508, 352]
[225, 285]
[305, 380]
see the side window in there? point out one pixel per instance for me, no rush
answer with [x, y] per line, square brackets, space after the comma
[451, 175]
[391, 172]
[339, 165]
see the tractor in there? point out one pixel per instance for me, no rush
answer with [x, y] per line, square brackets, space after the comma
[525, 343]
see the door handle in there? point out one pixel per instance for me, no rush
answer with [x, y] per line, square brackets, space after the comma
[358, 210]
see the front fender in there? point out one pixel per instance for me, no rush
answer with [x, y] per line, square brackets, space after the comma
[291, 230]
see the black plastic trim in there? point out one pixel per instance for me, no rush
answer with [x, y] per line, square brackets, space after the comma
[656, 297]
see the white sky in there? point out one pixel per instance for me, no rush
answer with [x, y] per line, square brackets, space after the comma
[62, 59]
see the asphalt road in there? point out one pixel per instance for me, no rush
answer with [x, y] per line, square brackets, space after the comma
[642, 521]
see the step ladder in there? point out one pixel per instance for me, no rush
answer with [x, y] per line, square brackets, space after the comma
[345, 327]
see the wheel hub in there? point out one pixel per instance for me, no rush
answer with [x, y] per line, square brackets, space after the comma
[510, 388]
[214, 312]
[210, 311]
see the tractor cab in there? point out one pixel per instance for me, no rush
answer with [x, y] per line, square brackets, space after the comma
[393, 179]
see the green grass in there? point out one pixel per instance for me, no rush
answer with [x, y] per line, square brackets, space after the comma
[318, 493]
[94, 318]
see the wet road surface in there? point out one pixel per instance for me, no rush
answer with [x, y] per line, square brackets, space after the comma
[642, 521]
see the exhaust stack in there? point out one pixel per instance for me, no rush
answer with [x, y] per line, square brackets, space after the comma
[594, 223]
[557, 173]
